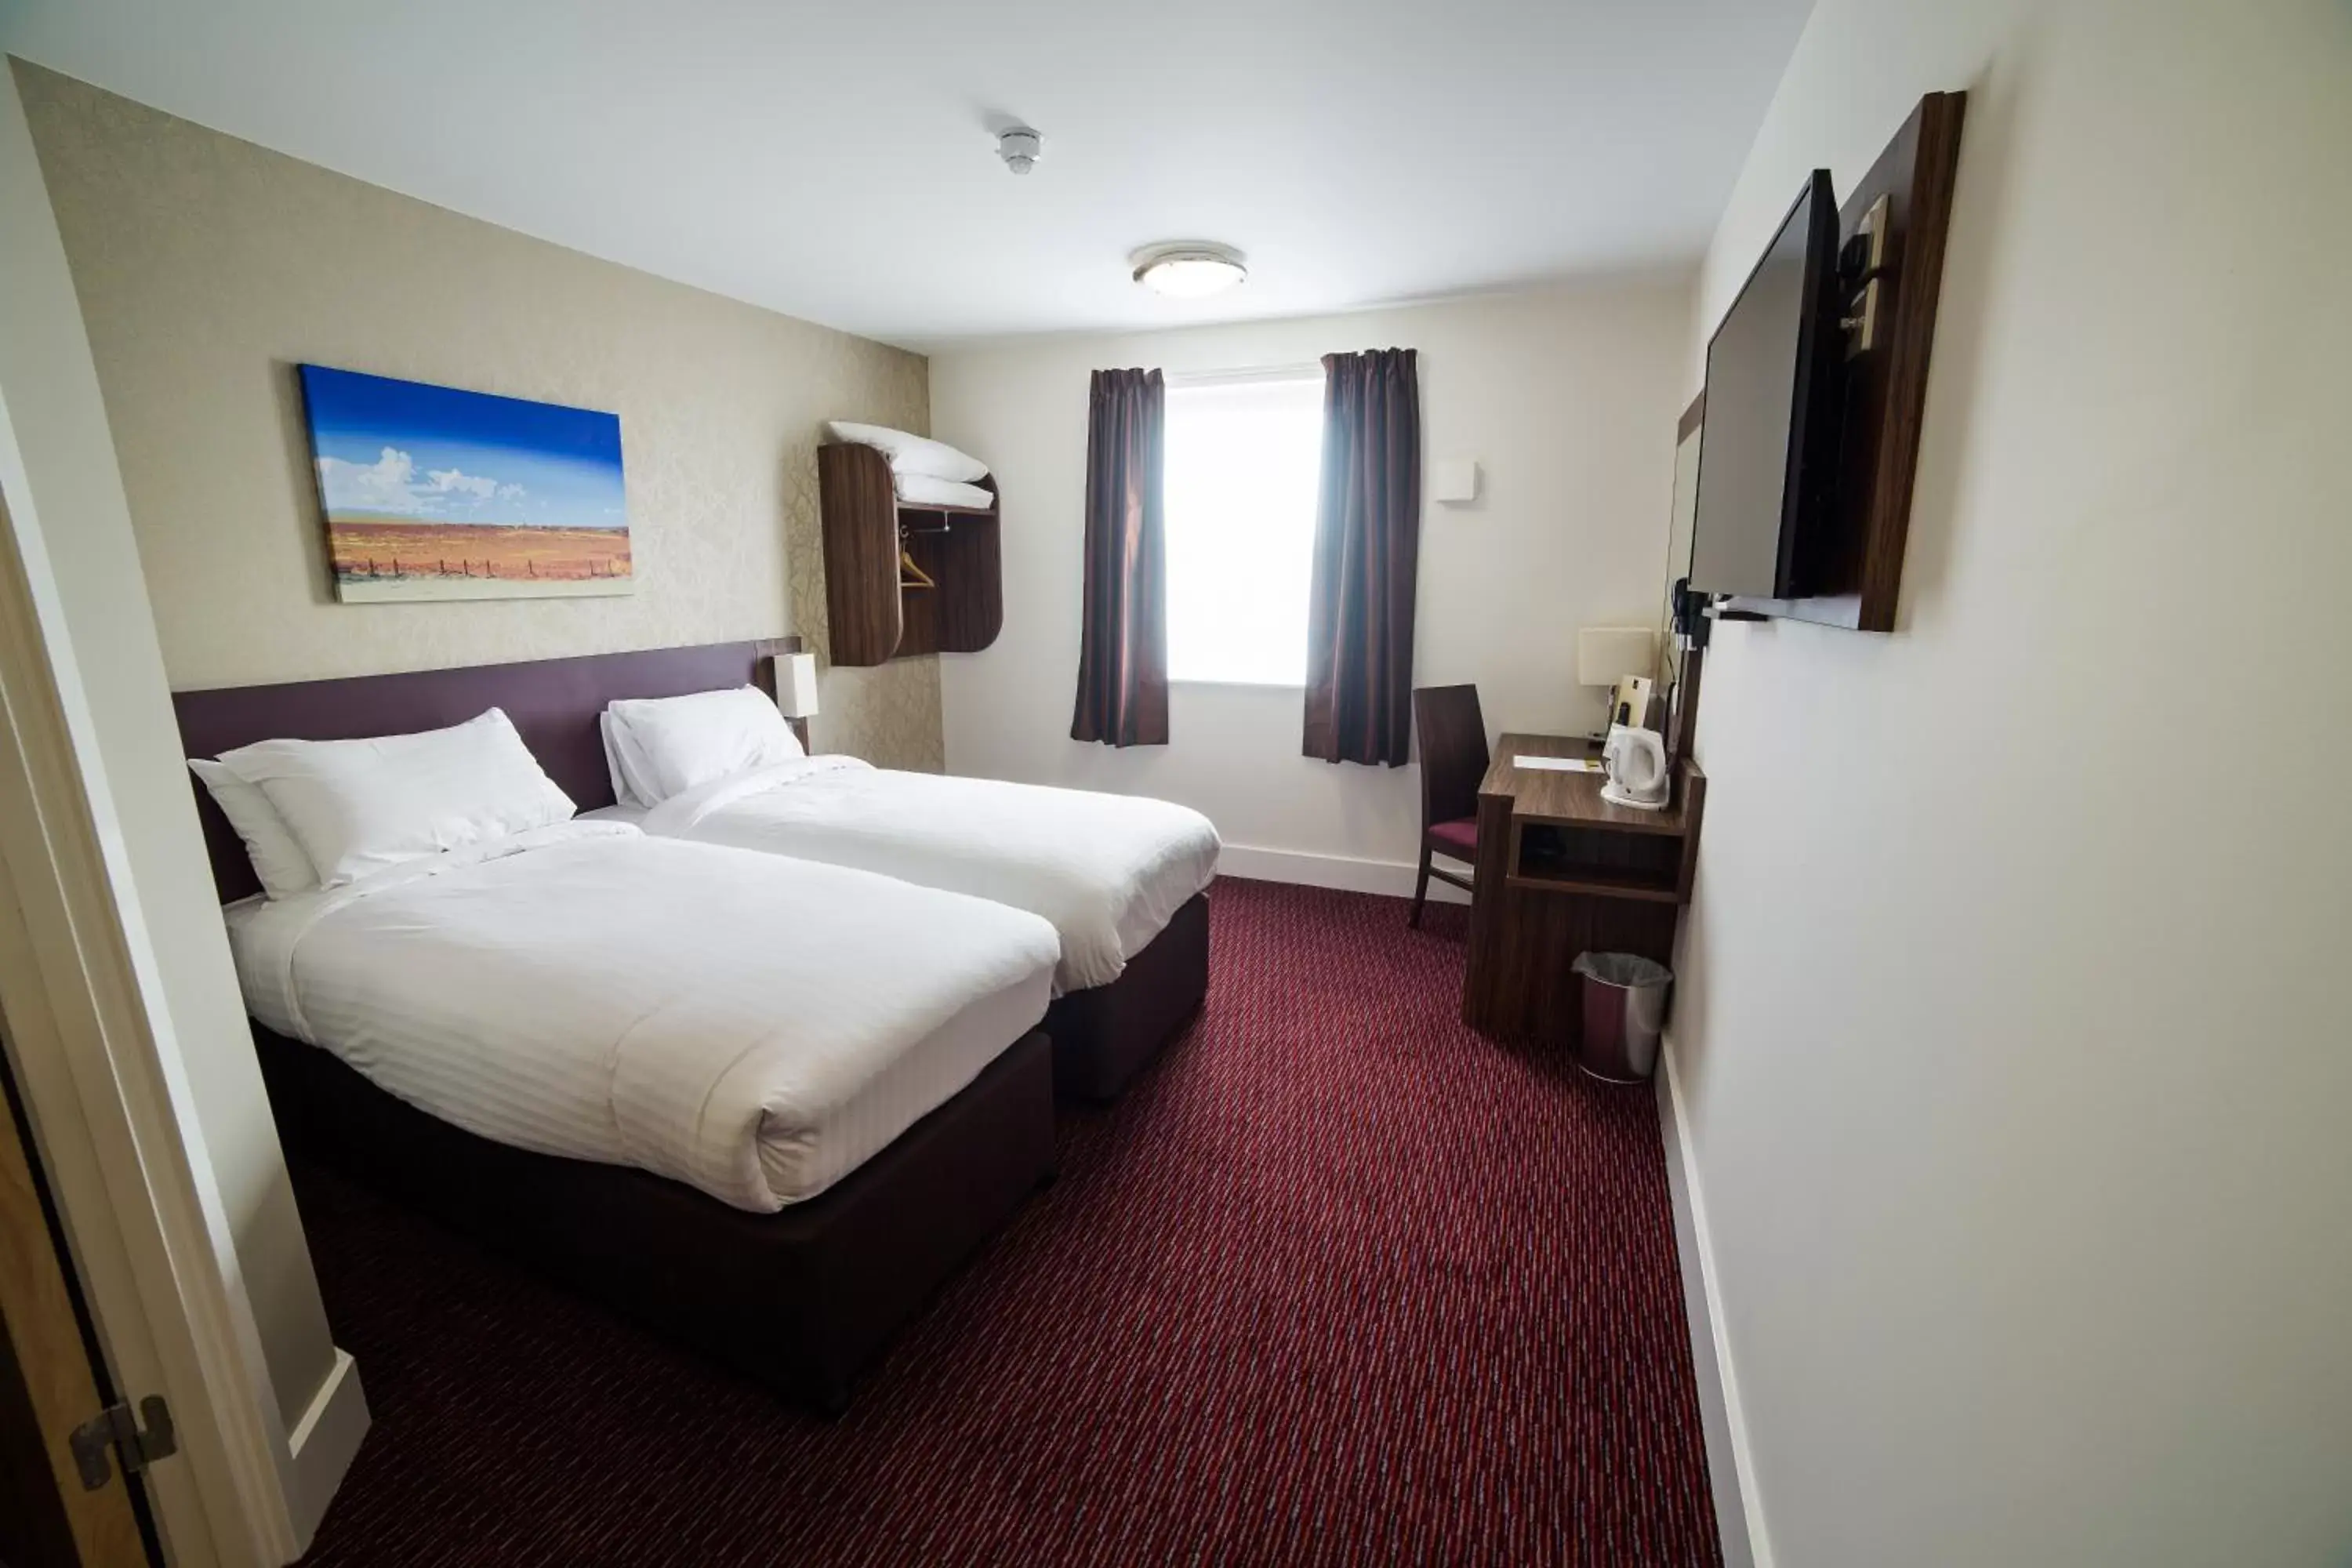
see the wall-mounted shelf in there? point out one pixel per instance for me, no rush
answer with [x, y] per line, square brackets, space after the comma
[952, 599]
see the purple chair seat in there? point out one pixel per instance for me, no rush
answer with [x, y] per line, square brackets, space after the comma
[1460, 835]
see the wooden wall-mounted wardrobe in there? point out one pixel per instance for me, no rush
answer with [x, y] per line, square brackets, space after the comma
[903, 579]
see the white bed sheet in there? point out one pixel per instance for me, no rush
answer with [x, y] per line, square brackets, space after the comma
[753, 1027]
[1109, 871]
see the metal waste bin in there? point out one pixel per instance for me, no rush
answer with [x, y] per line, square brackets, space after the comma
[1624, 1009]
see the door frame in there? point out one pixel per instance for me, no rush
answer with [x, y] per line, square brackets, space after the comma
[127, 1171]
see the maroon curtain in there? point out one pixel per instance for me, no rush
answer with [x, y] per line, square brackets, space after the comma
[1367, 556]
[1123, 640]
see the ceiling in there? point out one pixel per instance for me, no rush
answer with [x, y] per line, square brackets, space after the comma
[838, 161]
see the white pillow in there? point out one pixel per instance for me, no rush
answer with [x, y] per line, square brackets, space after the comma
[361, 806]
[912, 454]
[668, 746]
[927, 489]
[623, 762]
[280, 863]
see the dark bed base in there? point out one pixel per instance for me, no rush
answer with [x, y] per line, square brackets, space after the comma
[1105, 1035]
[800, 1300]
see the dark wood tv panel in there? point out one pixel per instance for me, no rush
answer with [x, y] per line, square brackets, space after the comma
[1860, 574]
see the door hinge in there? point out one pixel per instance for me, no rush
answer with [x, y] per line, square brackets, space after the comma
[116, 1428]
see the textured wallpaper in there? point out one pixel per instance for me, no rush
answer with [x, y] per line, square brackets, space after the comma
[209, 268]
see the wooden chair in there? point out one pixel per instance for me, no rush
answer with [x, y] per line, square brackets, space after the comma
[1452, 736]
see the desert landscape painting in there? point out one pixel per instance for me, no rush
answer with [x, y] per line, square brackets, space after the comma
[430, 492]
[394, 558]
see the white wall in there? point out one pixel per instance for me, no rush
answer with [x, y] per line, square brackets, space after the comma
[1567, 397]
[66, 500]
[2010, 1030]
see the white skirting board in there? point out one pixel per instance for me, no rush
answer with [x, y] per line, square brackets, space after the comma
[1391, 877]
[323, 1443]
[1731, 1467]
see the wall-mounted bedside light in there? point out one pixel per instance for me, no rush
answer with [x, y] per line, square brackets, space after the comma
[796, 685]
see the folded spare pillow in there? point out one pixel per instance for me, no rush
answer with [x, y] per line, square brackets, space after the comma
[912, 454]
[664, 746]
[277, 859]
[361, 806]
[926, 489]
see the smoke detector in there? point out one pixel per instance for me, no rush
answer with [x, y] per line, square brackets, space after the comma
[1019, 148]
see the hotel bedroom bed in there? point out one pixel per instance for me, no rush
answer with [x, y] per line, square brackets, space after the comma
[1123, 879]
[722, 1103]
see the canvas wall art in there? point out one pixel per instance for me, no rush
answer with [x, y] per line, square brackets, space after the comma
[434, 493]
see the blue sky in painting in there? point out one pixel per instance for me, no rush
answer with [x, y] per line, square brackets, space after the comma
[401, 449]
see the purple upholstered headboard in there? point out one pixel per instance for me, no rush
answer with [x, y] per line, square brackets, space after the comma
[552, 701]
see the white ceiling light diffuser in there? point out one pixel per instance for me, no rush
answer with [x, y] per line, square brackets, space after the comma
[1193, 269]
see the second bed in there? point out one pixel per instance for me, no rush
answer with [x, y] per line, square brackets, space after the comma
[1123, 879]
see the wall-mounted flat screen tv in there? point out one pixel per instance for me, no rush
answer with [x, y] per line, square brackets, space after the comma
[1768, 454]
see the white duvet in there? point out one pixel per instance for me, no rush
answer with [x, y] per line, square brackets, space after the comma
[1109, 871]
[752, 1027]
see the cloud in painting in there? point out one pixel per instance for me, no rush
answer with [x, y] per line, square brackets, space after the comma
[383, 485]
[448, 481]
[389, 485]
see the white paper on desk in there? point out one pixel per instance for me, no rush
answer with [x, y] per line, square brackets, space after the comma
[1558, 764]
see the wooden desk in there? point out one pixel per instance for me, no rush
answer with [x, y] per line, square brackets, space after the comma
[1560, 871]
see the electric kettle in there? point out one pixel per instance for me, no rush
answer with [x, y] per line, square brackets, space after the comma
[1636, 763]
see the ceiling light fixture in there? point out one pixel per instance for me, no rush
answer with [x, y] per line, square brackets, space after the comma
[1189, 270]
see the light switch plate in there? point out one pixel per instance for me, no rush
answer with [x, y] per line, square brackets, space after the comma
[1453, 481]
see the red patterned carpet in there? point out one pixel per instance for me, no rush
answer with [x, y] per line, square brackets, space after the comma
[1338, 1282]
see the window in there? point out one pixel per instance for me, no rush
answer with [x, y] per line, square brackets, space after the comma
[1242, 462]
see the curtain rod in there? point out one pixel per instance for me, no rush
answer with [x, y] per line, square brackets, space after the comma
[1311, 370]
